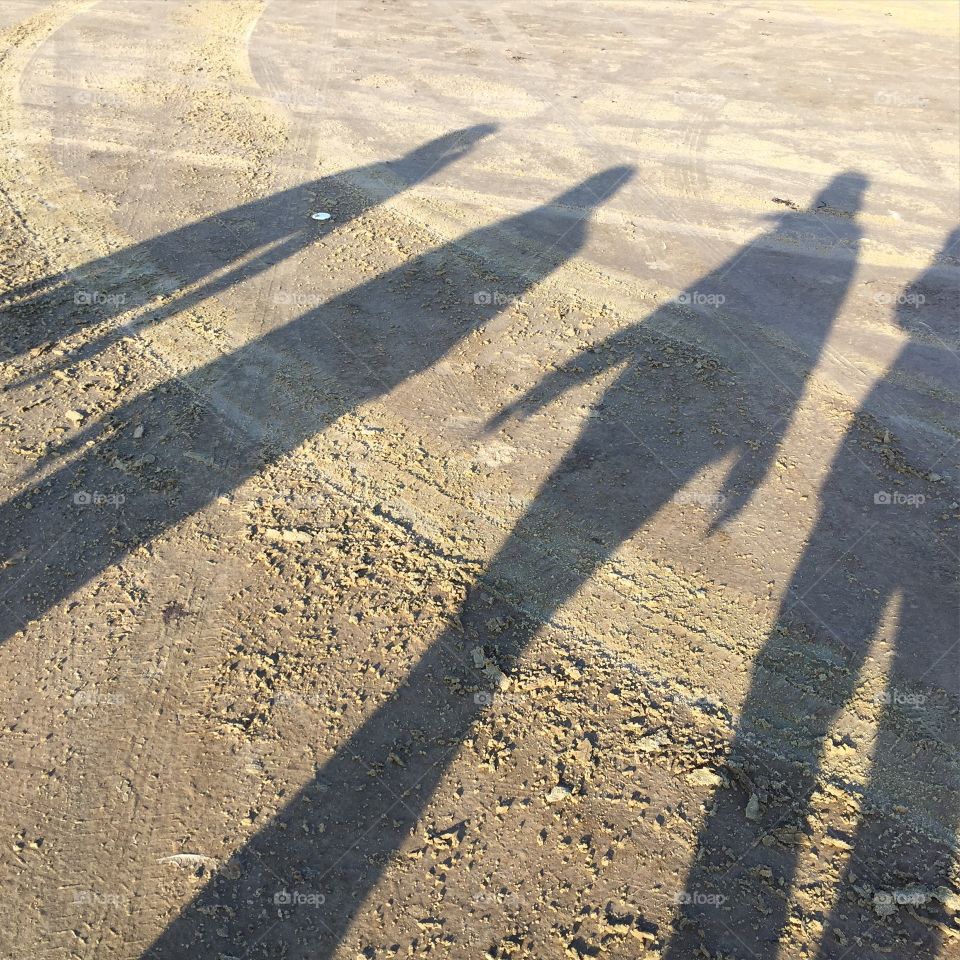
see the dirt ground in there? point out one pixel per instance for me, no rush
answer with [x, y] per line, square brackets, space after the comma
[552, 552]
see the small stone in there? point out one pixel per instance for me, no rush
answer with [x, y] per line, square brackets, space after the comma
[884, 904]
[949, 899]
[558, 794]
[496, 676]
[288, 535]
[653, 743]
[704, 777]
[753, 808]
[75, 416]
[837, 842]
[790, 836]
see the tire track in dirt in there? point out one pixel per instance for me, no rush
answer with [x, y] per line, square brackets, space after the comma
[30, 38]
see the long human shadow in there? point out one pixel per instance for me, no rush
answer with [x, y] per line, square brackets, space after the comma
[122, 490]
[210, 255]
[882, 547]
[626, 464]
[265, 399]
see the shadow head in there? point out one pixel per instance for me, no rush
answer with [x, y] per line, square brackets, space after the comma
[436, 154]
[927, 308]
[842, 198]
[597, 189]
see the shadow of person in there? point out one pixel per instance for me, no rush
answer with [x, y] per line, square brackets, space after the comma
[766, 313]
[266, 398]
[190, 264]
[209, 431]
[600, 494]
[879, 560]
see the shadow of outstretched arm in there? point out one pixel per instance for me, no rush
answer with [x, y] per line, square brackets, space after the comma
[579, 370]
[377, 784]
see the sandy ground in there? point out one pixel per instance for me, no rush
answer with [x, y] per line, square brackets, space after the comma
[552, 553]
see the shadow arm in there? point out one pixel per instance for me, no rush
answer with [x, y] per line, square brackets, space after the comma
[584, 366]
[747, 473]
